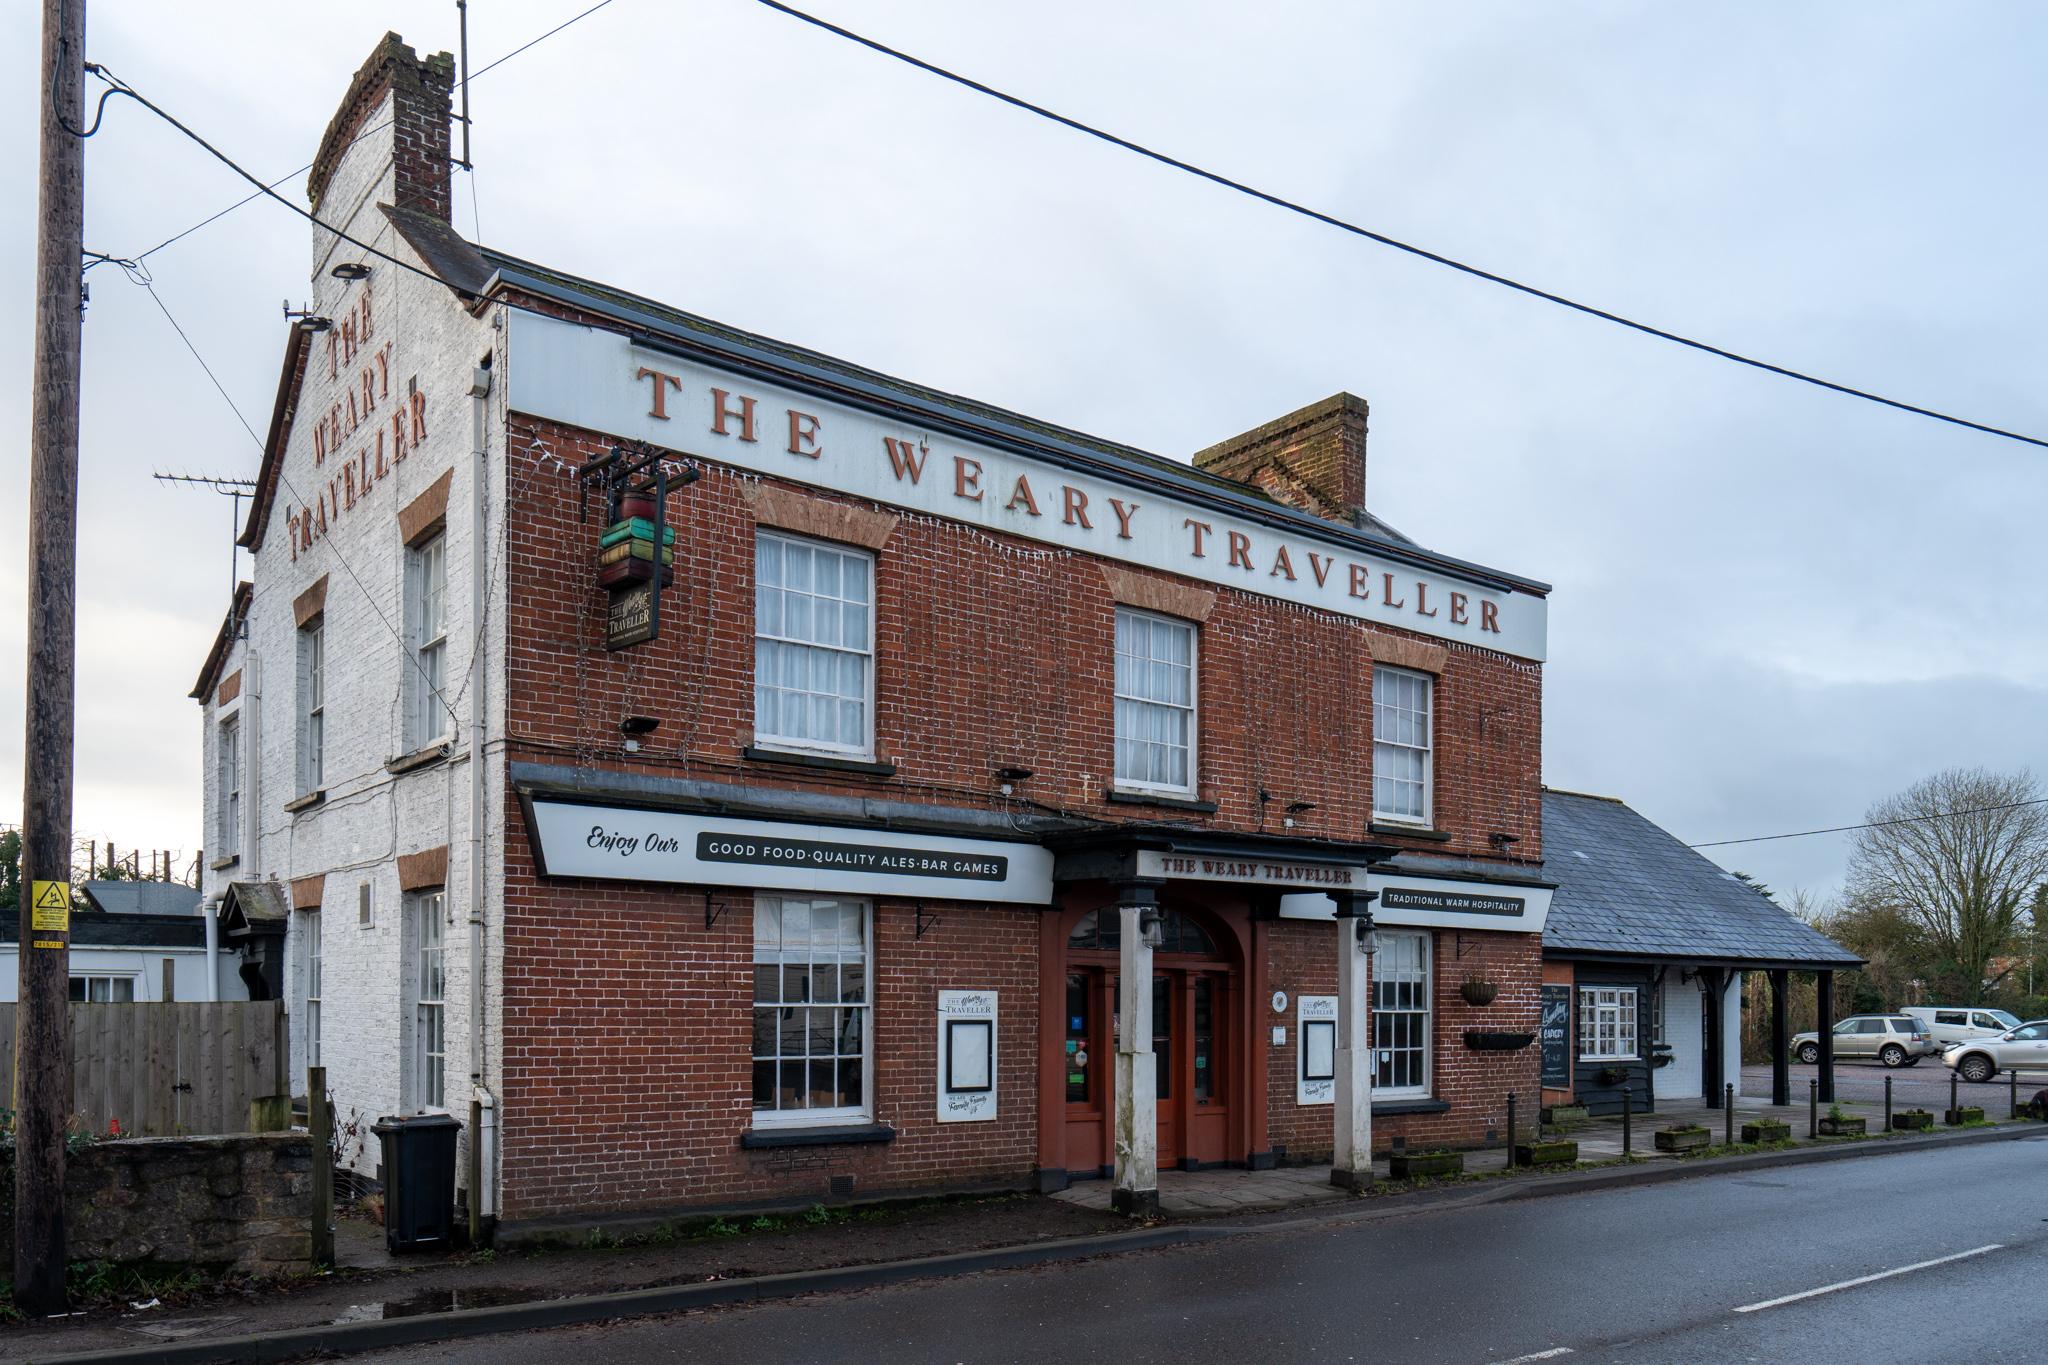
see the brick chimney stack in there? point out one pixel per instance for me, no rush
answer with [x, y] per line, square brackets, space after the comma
[415, 95]
[1313, 459]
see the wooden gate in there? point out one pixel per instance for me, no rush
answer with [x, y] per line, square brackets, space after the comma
[165, 1070]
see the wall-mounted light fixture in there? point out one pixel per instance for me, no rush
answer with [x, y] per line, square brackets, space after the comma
[634, 728]
[1503, 840]
[350, 270]
[306, 318]
[1010, 777]
[1295, 808]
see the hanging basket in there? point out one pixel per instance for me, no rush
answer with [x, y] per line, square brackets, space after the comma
[1478, 992]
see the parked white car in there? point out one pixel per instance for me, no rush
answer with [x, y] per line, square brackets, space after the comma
[2022, 1049]
[1960, 1023]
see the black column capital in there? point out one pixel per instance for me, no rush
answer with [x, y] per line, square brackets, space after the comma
[1133, 891]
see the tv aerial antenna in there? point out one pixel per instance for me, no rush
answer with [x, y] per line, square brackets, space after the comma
[234, 490]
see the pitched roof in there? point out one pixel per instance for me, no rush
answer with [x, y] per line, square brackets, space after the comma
[142, 898]
[120, 931]
[223, 641]
[1627, 887]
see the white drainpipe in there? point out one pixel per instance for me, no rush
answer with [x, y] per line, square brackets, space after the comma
[487, 1136]
[212, 911]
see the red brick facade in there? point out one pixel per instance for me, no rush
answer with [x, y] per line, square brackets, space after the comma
[626, 1044]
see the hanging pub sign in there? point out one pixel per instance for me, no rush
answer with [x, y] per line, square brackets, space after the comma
[967, 1056]
[1554, 1035]
[636, 552]
[629, 617]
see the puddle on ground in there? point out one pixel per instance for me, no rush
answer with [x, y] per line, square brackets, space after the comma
[442, 1301]
[176, 1329]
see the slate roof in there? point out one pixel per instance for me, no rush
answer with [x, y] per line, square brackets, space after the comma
[142, 898]
[1627, 887]
[89, 930]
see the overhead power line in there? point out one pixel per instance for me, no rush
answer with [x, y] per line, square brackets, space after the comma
[1343, 225]
[287, 178]
[1873, 824]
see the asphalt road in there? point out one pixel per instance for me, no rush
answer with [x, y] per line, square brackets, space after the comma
[1654, 1274]
[1925, 1085]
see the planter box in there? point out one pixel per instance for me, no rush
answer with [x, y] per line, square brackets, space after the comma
[1565, 1113]
[1842, 1127]
[1766, 1130]
[1406, 1165]
[1912, 1118]
[1682, 1139]
[1956, 1118]
[1555, 1153]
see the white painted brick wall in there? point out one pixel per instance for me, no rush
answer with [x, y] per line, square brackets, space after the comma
[371, 817]
[1682, 1018]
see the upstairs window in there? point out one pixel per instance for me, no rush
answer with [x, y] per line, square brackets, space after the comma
[1401, 736]
[229, 759]
[426, 638]
[1155, 703]
[814, 665]
[312, 706]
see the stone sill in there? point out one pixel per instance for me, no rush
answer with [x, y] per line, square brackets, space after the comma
[823, 762]
[421, 758]
[219, 863]
[1440, 836]
[1118, 797]
[306, 802]
[842, 1135]
[1389, 1108]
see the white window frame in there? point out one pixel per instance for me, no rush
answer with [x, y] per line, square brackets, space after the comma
[309, 940]
[312, 706]
[835, 1114]
[426, 643]
[1193, 710]
[1427, 748]
[766, 738]
[1426, 980]
[424, 1001]
[130, 979]
[1604, 1004]
[229, 760]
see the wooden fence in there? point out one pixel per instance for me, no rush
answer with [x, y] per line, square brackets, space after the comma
[164, 1070]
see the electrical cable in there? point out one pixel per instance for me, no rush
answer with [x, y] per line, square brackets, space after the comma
[288, 178]
[1331, 220]
[141, 277]
[1873, 824]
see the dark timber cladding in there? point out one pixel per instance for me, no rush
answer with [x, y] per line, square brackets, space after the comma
[1635, 907]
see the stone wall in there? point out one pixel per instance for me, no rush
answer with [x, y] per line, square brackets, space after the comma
[241, 1203]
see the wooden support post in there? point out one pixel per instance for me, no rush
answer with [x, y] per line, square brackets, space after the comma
[1824, 990]
[320, 1125]
[42, 1041]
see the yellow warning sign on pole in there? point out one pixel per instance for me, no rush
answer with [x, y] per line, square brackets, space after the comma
[50, 909]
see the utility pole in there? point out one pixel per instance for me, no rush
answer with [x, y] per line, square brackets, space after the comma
[42, 1043]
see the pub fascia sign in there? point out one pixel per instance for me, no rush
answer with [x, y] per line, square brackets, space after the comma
[600, 380]
[1247, 871]
[626, 844]
[1435, 902]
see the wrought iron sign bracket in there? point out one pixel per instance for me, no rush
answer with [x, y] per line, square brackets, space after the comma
[926, 920]
[714, 909]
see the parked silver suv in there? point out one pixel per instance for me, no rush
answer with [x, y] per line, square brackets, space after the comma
[1894, 1039]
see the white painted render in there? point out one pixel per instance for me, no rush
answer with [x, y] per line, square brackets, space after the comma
[145, 965]
[371, 816]
[1683, 1015]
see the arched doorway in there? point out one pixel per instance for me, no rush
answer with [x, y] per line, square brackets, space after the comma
[1196, 980]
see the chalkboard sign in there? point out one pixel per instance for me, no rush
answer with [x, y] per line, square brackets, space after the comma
[1556, 1037]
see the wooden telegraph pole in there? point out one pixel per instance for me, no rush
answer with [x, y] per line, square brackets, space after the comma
[42, 1047]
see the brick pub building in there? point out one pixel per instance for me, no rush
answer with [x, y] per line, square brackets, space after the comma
[964, 746]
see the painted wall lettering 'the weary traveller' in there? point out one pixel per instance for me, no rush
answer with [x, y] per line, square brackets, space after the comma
[735, 417]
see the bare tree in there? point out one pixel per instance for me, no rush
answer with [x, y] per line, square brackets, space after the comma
[1957, 855]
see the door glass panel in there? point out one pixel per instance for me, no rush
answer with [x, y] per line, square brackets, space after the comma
[1207, 1075]
[1162, 1032]
[1077, 1060]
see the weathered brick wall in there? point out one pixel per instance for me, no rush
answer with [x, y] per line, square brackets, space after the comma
[626, 1058]
[1302, 961]
[241, 1203]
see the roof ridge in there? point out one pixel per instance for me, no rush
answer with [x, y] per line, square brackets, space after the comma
[1584, 796]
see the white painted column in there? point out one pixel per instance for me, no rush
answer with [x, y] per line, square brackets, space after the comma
[1731, 1033]
[1351, 1155]
[1136, 1186]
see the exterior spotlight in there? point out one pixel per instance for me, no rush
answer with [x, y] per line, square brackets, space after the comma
[1010, 777]
[350, 270]
[1152, 926]
[1356, 906]
[633, 727]
[1295, 808]
[306, 318]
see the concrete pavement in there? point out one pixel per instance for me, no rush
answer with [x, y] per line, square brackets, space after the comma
[1645, 1274]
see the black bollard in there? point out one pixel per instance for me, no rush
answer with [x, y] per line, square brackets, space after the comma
[1954, 1112]
[2013, 1079]
[1887, 1104]
[1511, 1130]
[1812, 1108]
[1728, 1115]
[1628, 1114]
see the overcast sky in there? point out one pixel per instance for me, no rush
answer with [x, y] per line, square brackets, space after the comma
[1772, 605]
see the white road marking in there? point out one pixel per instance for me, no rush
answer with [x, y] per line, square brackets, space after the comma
[1867, 1279]
[1552, 1354]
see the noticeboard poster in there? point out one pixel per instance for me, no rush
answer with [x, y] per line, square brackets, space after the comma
[1555, 1035]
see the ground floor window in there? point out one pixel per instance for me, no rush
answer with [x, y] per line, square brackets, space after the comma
[812, 1006]
[426, 1056]
[118, 990]
[1400, 1014]
[1607, 1024]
